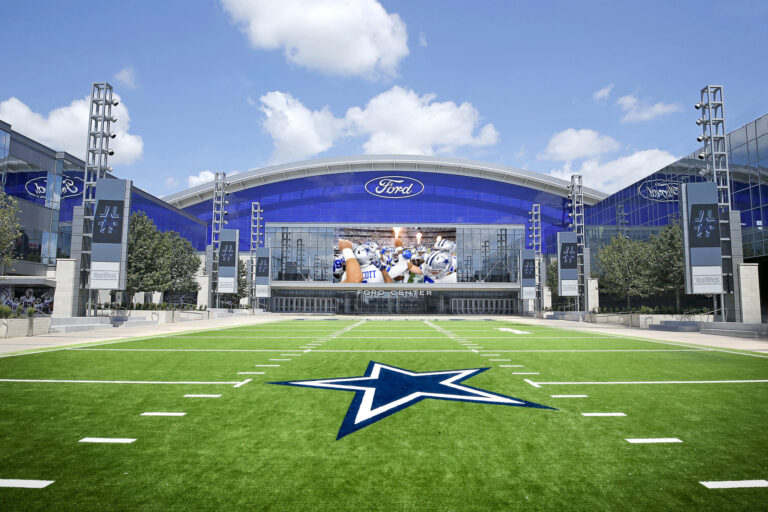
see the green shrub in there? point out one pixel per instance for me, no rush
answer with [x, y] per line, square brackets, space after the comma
[31, 312]
[5, 311]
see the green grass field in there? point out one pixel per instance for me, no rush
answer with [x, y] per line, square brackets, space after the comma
[261, 446]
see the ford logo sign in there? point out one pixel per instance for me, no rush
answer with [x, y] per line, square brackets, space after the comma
[659, 190]
[70, 186]
[394, 187]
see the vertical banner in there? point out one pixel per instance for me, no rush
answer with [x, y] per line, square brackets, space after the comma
[701, 239]
[567, 270]
[228, 258]
[528, 274]
[110, 234]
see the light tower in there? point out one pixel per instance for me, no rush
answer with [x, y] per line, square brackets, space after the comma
[576, 197]
[218, 221]
[715, 157]
[534, 243]
[97, 153]
[256, 242]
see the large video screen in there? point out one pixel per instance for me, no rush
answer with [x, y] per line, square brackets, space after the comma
[395, 255]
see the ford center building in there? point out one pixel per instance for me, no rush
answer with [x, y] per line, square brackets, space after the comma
[307, 206]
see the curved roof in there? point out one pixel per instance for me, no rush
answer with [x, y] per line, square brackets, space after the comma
[384, 163]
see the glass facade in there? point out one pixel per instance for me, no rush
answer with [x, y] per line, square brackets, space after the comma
[342, 198]
[654, 201]
[49, 184]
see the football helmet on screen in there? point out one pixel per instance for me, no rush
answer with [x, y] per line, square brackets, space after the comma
[444, 245]
[437, 265]
[367, 254]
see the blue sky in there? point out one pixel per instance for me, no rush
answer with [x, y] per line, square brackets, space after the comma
[232, 85]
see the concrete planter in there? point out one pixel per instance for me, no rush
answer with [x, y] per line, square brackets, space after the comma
[168, 316]
[642, 320]
[17, 327]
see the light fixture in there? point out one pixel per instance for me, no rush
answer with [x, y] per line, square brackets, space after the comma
[113, 119]
[701, 105]
[701, 121]
[702, 138]
[115, 102]
[112, 135]
[702, 156]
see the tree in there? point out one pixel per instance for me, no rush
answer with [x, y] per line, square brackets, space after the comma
[242, 286]
[146, 270]
[181, 262]
[667, 267]
[10, 229]
[622, 267]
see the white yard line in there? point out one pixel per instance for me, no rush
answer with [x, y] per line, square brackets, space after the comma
[603, 414]
[279, 359]
[163, 414]
[202, 396]
[266, 365]
[652, 440]
[250, 373]
[734, 484]
[589, 383]
[25, 484]
[116, 440]
[499, 360]
[54, 381]
[511, 365]
[246, 381]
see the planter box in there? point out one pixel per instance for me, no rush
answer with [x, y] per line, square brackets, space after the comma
[166, 316]
[17, 327]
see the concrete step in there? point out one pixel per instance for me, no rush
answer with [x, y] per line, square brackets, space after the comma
[673, 328]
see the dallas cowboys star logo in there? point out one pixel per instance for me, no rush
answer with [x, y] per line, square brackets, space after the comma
[385, 390]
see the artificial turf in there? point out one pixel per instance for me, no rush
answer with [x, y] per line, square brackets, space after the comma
[267, 447]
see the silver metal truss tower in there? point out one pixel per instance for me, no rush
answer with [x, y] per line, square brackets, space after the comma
[576, 196]
[218, 222]
[300, 258]
[97, 154]
[715, 157]
[256, 241]
[535, 244]
[285, 251]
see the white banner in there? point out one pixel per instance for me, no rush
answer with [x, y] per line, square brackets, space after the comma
[707, 279]
[105, 275]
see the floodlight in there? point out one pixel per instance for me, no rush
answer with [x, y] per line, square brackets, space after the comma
[110, 152]
[112, 135]
[702, 138]
[113, 119]
[115, 103]
[700, 105]
[701, 121]
[702, 156]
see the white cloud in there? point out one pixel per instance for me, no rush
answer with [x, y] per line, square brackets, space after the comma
[616, 174]
[171, 182]
[64, 128]
[603, 93]
[422, 39]
[297, 132]
[395, 121]
[200, 178]
[126, 77]
[401, 121]
[637, 111]
[344, 37]
[572, 144]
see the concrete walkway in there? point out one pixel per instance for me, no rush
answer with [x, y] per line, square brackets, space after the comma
[110, 333]
[35, 343]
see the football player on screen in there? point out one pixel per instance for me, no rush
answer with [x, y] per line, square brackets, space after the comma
[363, 264]
[439, 265]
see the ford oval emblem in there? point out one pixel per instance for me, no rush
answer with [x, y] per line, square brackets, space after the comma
[394, 187]
[659, 190]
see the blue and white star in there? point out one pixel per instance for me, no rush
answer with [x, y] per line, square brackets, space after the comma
[385, 390]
